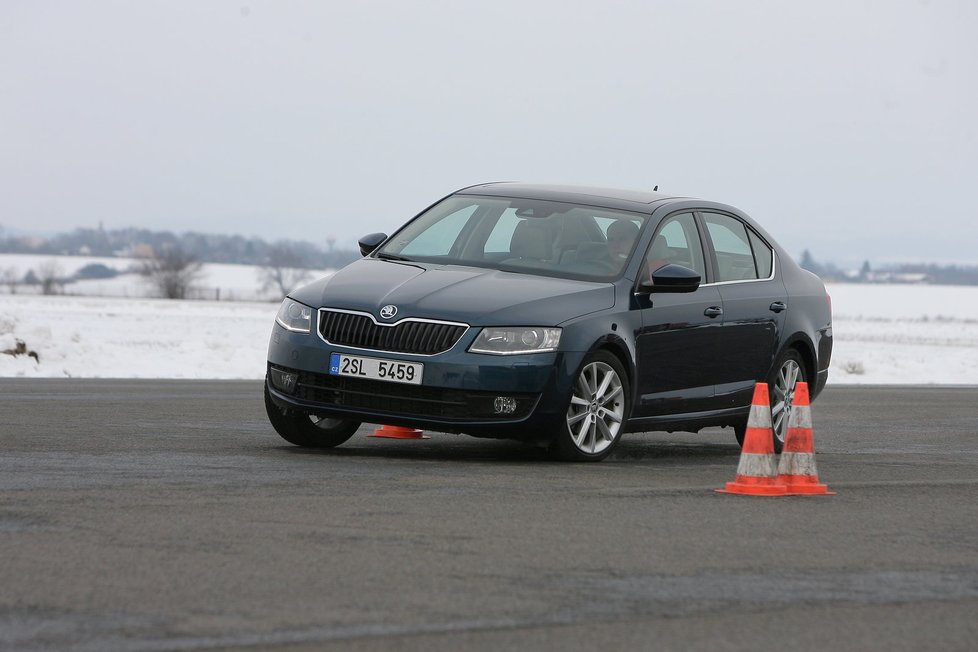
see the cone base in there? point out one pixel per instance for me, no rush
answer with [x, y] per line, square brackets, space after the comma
[397, 432]
[810, 490]
[806, 487]
[752, 489]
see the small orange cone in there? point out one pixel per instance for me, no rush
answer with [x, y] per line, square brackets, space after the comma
[398, 432]
[757, 469]
[797, 467]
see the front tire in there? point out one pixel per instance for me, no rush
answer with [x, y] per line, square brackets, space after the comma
[596, 412]
[308, 430]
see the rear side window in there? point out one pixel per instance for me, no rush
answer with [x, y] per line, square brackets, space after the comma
[763, 255]
[735, 258]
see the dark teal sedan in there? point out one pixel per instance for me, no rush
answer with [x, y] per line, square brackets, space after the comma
[562, 316]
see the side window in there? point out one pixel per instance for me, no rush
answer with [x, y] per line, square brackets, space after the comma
[735, 261]
[603, 223]
[762, 254]
[438, 239]
[502, 233]
[677, 242]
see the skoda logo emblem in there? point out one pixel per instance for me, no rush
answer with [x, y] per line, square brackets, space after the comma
[388, 311]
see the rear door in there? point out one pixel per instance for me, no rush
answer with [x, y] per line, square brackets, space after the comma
[755, 303]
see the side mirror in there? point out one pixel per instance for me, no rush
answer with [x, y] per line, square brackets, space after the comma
[672, 278]
[370, 242]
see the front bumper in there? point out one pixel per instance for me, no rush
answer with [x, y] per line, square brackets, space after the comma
[459, 393]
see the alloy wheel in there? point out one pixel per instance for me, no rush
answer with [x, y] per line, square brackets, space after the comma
[597, 408]
[783, 395]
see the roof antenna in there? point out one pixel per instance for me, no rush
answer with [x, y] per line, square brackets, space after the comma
[656, 189]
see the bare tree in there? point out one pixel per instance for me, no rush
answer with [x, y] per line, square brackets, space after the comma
[9, 277]
[172, 271]
[283, 269]
[51, 277]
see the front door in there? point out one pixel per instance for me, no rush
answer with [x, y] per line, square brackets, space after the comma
[678, 343]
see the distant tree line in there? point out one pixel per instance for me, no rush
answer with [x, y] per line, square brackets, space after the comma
[825, 271]
[941, 274]
[204, 248]
[171, 263]
[932, 273]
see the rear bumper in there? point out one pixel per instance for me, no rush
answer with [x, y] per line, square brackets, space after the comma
[820, 380]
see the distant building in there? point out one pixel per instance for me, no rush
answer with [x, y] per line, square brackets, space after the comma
[136, 251]
[890, 277]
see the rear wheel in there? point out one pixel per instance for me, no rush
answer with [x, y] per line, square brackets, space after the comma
[308, 430]
[596, 412]
[788, 372]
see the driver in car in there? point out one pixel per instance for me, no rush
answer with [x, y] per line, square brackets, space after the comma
[621, 236]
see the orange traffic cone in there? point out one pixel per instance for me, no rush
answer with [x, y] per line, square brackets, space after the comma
[398, 432]
[757, 470]
[797, 467]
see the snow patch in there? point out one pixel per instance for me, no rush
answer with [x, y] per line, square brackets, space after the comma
[918, 334]
[138, 338]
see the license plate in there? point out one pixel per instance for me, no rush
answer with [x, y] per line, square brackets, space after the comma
[393, 371]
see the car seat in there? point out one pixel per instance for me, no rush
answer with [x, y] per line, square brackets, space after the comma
[529, 242]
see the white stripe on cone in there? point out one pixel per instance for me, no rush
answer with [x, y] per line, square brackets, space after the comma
[760, 416]
[797, 464]
[801, 417]
[758, 465]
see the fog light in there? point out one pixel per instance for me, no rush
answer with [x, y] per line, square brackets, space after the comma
[504, 405]
[284, 380]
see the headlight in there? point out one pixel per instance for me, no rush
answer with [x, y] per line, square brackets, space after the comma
[514, 340]
[294, 316]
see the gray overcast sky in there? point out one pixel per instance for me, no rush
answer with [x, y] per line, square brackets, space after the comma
[845, 127]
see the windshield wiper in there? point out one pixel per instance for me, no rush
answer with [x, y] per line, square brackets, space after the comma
[383, 255]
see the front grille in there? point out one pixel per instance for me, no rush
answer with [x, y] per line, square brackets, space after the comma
[408, 336]
[406, 400]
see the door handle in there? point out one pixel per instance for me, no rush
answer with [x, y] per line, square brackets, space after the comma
[778, 306]
[713, 311]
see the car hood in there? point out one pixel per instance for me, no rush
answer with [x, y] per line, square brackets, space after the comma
[466, 294]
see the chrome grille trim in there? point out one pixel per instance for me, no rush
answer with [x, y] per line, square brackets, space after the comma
[412, 335]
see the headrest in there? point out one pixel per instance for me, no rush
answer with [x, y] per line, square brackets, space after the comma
[530, 241]
[660, 248]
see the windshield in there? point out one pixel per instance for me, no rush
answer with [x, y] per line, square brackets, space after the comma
[520, 235]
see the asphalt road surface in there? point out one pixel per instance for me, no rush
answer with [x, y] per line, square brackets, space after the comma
[167, 515]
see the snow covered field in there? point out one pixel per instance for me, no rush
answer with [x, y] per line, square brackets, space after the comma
[217, 281]
[83, 337]
[889, 334]
[904, 334]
